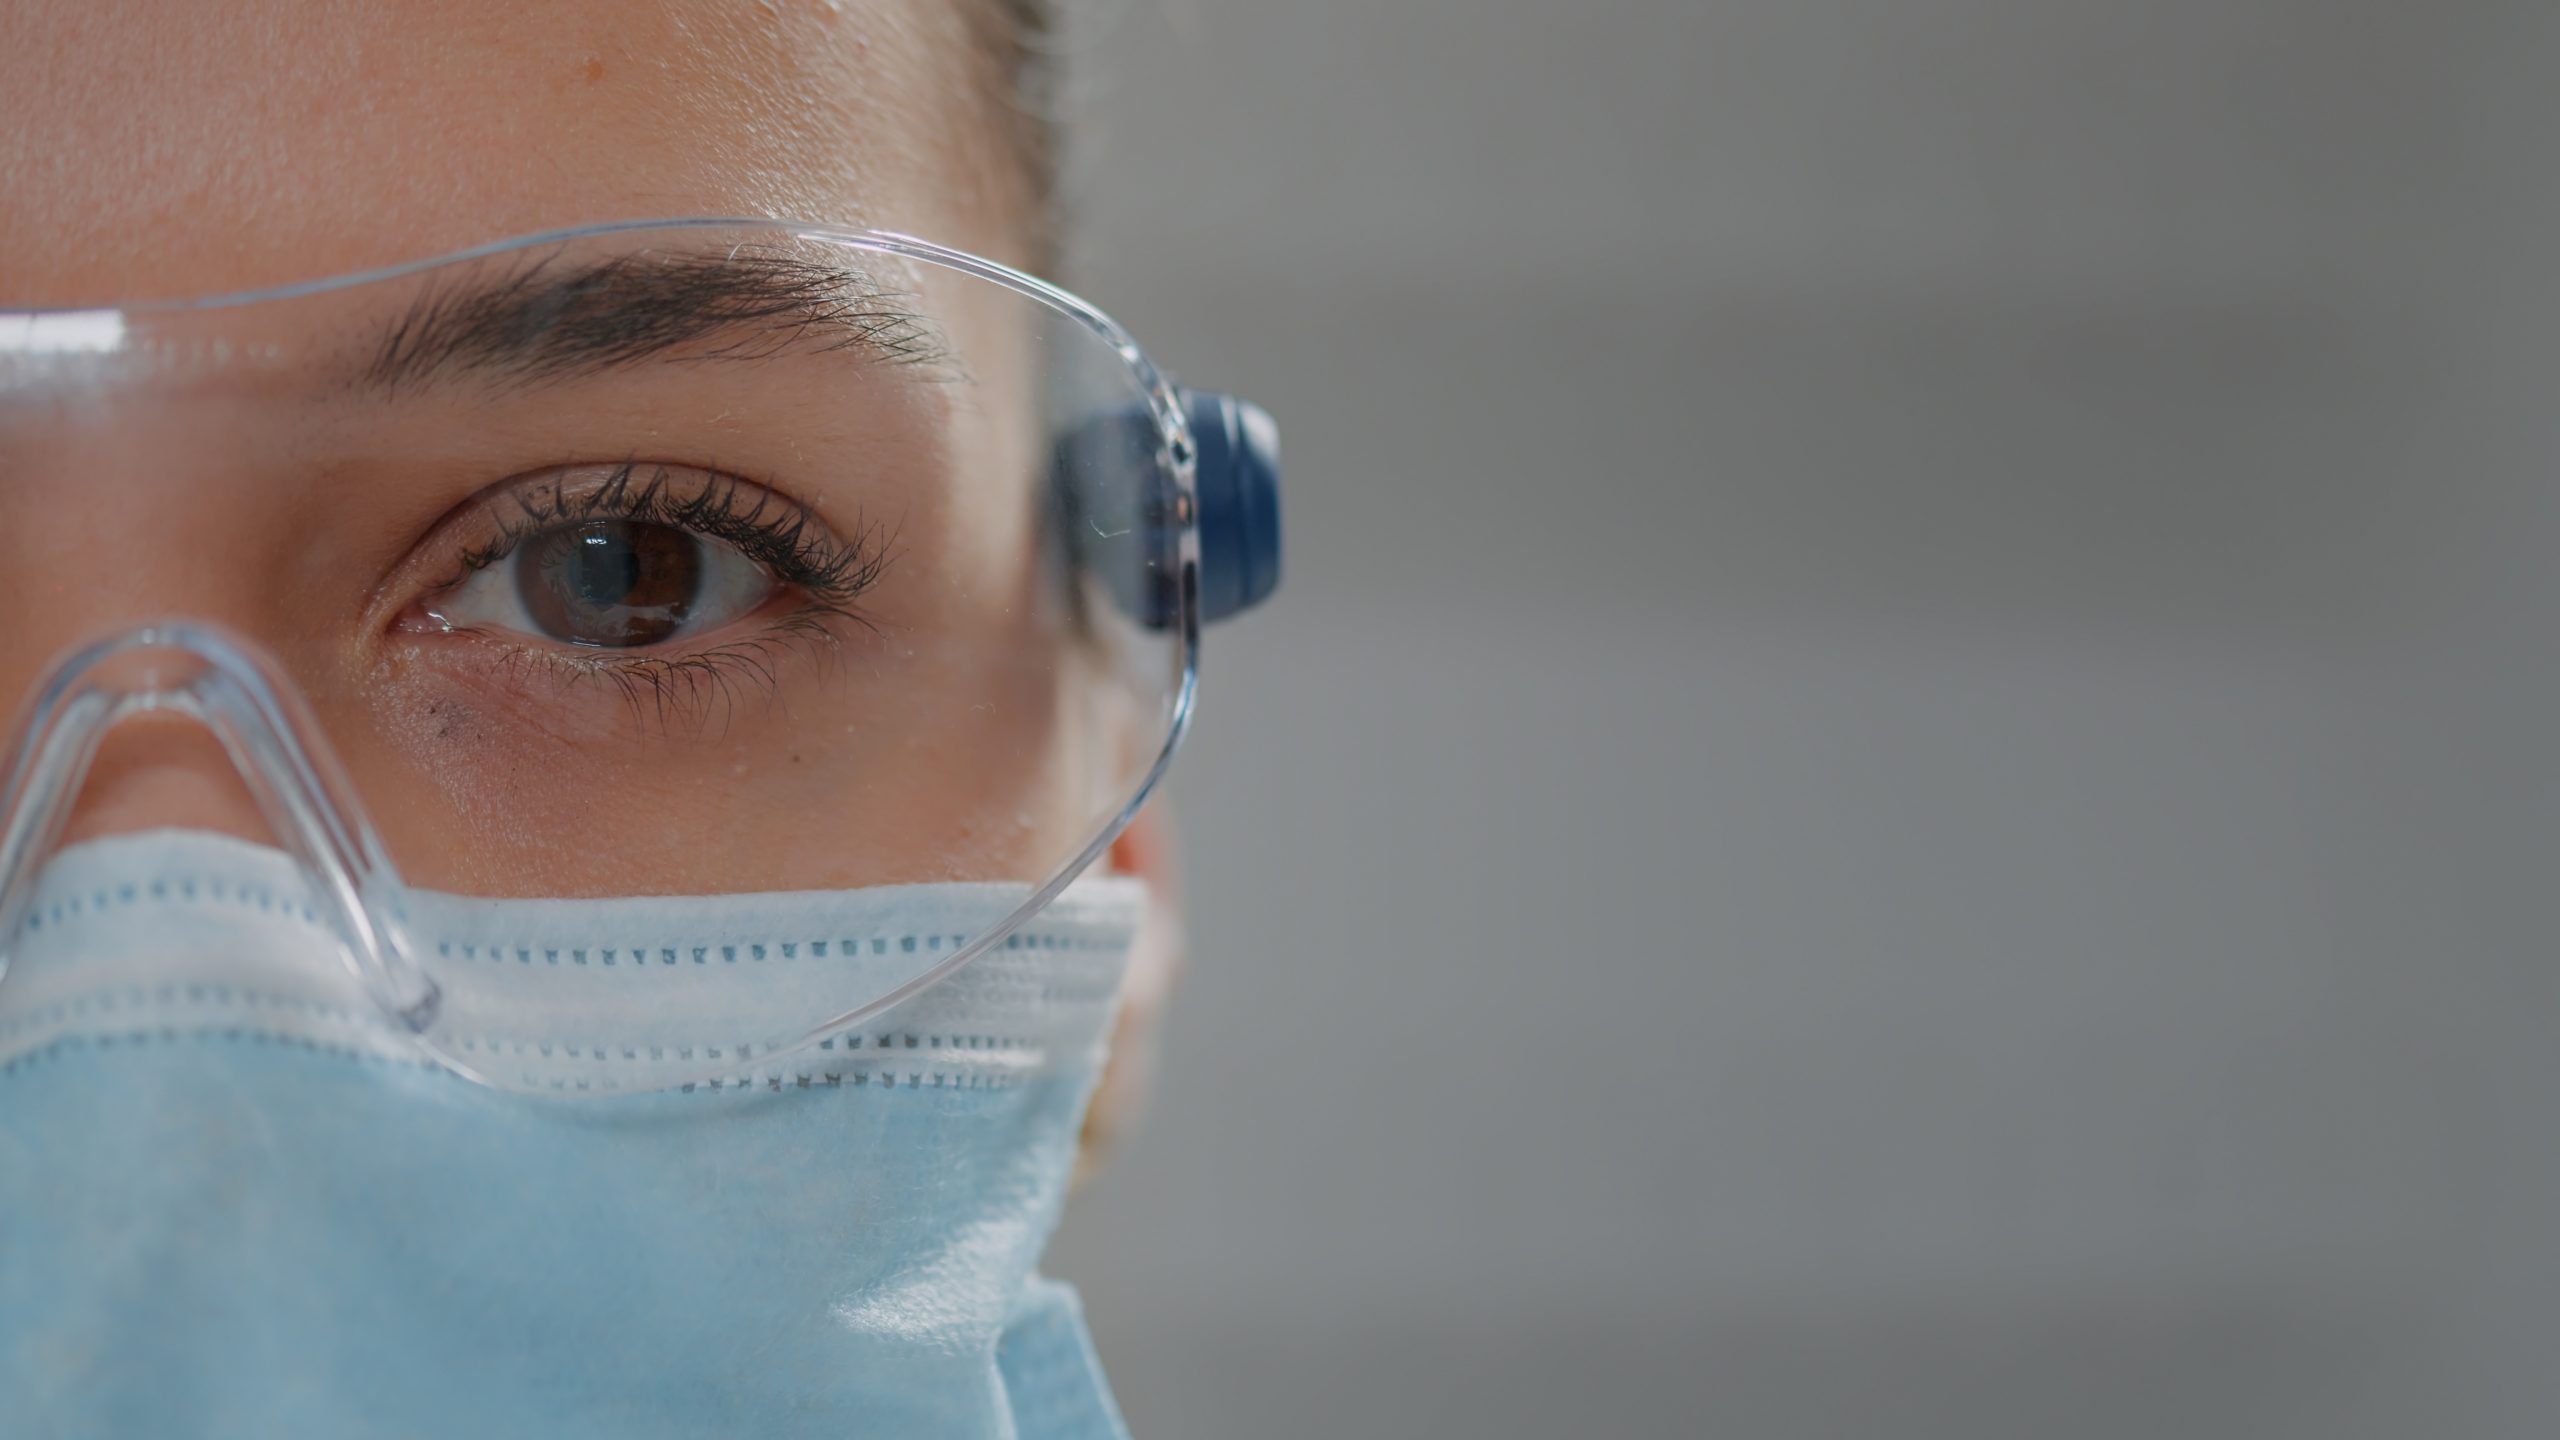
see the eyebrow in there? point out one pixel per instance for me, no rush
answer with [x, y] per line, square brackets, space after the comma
[548, 321]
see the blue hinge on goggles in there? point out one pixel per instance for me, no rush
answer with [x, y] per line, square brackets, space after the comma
[1235, 512]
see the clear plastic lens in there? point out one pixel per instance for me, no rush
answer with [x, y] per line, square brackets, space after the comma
[692, 560]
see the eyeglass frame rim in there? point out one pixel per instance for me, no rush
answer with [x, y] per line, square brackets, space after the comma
[1176, 452]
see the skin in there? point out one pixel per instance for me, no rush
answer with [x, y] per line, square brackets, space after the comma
[187, 149]
[154, 149]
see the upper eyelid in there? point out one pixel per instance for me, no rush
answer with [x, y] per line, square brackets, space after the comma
[796, 543]
[611, 496]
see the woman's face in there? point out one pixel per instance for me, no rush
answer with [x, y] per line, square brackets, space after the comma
[430, 556]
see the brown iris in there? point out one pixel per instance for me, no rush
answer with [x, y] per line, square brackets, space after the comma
[609, 582]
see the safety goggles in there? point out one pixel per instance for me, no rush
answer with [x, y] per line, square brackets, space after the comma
[674, 559]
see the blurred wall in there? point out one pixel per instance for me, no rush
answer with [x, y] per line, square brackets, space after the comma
[1904, 781]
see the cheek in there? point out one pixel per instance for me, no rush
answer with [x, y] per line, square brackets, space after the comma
[958, 759]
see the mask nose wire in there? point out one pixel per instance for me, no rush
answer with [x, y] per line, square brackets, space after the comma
[196, 670]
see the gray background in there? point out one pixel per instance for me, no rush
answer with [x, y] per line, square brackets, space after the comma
[1903, 784]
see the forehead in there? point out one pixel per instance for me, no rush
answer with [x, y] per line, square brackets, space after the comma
[157, 148]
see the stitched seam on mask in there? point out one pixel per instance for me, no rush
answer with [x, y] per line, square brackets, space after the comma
[960, 1047]
[994, 977]
[181, 889]
[849, 1078]
[913, 1081]
[169, 890]
[642, 958]
[883, 1078]
[171, 1034]
[174, 993]
[888, 1045]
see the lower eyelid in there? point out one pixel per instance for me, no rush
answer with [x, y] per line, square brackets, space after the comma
[561, 695]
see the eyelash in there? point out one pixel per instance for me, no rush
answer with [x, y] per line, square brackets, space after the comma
[778, 534]
[775, 533]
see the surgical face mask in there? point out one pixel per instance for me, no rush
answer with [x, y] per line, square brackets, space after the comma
[236, 1200]
[686, 672]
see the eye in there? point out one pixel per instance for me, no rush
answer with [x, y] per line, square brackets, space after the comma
[608, 583]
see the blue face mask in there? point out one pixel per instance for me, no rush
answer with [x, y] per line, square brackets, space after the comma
[233, 1203]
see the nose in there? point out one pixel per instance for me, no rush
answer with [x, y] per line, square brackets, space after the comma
[122, 506]
[182, 724]
[119, 737]
[158, 770]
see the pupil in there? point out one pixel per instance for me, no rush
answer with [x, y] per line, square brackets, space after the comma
[610, 582]
[606, 568]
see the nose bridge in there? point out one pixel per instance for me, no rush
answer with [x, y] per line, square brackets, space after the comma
[80, 464]
[204, 694]
[159, 769]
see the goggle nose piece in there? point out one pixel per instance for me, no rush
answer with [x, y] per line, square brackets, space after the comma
[200, 671]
